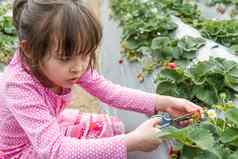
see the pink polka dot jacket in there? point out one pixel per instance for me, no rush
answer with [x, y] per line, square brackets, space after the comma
[35, 124]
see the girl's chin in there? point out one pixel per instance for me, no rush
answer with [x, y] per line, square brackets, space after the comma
[69, 84]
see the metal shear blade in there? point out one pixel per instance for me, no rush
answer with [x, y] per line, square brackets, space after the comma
[183, 117]
[167, 121]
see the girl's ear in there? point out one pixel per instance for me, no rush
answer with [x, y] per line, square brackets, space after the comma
[25, 48]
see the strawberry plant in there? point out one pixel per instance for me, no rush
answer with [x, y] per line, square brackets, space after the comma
[202, 82]
[226, 2]
[212, 84]
[138, 33]
[214, 138]
[222, 31]
[140, 23]
[153, 36]
[183, 51]
[186, 10]
[7, 34]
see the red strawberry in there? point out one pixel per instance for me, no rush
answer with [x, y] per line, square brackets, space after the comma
[172, 65]
[120, 61]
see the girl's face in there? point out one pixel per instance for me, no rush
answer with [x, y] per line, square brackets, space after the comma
[64, 72]
[61, 72]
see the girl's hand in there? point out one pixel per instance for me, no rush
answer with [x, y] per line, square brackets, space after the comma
[144, 137]
[178, 106]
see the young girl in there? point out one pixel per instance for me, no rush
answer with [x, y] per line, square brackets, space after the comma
[58, 39]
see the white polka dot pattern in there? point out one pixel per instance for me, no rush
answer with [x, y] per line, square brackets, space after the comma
[116, 95]
[32, 118]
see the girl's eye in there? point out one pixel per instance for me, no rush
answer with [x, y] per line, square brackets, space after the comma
[64, 59]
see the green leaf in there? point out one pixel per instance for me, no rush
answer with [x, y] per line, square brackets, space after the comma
[195, 153]
[166, 88]
[171, 26]
[233, 155]
[132, 44]
[184, 91]
[229, 135]
[211, 128]
[231, 79]
[202, 138]
[199, 71]
[180, 135]
[173, 75]
[228, 65]
[216, 80]
[235, 48]
[234, 143]
[160, 42]
[192, 136]
[191, 44]
[232, 116]
[206, 93]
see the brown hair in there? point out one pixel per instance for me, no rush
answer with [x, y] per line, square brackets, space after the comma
[69, 24]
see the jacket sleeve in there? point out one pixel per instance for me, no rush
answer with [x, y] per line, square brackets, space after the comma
[43, 131]
[116, 95]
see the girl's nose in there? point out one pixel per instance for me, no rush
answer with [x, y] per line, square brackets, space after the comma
[77, 69]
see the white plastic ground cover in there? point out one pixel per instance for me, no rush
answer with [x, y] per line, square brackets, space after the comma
[125, 75]
[210, 49]
[211, 12]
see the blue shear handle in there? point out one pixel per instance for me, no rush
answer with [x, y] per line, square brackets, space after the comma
[165, 121]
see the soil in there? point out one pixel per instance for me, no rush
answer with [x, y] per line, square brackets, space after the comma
[84, 102]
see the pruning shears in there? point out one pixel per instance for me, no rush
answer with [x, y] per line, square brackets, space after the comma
[167, 120]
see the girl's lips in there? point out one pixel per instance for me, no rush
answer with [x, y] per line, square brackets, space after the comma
[74, 80]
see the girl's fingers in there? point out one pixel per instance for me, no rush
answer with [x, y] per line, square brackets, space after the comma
[156, 122]
[156, 132]
[199, 113]
[153, 122]
[185, 123]
[197, 110]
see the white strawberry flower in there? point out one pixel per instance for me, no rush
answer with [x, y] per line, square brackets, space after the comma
[212, 114]
[154, 10]
[214, 19]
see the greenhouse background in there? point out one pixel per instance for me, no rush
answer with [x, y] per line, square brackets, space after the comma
[142, 40]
